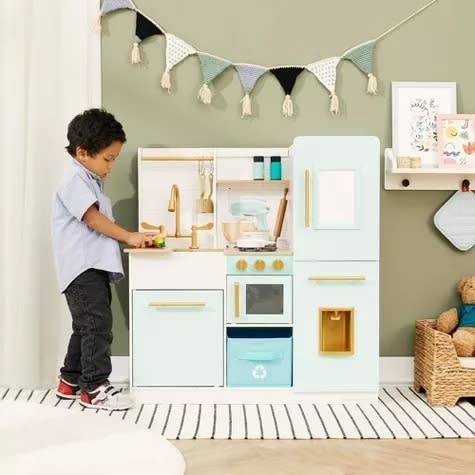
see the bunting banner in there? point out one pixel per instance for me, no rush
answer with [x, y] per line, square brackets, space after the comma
[287, 75]
[176, 51]
[324, 70]
[211, 68]
[109, 6]
[248, 75]
[144, 28]
[362, 57]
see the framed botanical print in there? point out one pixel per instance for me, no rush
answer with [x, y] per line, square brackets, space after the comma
[415, 106]
[456, 144]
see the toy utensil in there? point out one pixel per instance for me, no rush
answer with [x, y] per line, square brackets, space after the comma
[208, 202]
[201, 202]
[280, 215]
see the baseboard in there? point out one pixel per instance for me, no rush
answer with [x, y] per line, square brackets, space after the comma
[392, 370]
[120, 370]
[396, 369]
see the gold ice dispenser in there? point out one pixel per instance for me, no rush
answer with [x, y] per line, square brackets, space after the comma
[336, 331]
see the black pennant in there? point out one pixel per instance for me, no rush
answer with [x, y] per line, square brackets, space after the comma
[144, 28]
[287, 77]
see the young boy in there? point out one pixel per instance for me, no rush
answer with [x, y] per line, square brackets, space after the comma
[87, 256]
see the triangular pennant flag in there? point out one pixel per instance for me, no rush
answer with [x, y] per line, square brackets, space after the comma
[177, 50]
[111, 6]
[362, 57]
[144, 28]
[211, 67]
[248, 75]
[325, 72]
[287, 75]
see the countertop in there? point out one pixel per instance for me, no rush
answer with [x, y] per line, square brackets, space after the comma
[227, 252]
[168, 250]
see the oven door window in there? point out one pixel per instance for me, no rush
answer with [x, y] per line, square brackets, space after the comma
[264, 299]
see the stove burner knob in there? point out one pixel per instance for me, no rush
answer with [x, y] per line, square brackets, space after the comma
[259, 265]
[278, 265]
[241, 265]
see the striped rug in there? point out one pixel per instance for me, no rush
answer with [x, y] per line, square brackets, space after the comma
[400, 413]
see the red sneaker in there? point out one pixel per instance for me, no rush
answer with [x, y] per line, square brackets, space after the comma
[67, 390]
[106, 397]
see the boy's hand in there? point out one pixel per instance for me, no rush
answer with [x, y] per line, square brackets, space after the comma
[139, 240]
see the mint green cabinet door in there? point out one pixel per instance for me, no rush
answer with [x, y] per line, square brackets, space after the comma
[337, 290]
[177, 338]
[336, 198]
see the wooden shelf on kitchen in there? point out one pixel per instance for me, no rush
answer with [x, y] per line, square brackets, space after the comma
[253, 182]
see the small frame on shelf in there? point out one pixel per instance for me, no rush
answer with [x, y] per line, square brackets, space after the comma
[415, 106]
[456, 144]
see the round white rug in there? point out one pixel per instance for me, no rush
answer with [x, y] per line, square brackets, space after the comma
[41, 440]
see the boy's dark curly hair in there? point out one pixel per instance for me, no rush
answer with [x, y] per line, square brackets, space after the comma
[93, 130]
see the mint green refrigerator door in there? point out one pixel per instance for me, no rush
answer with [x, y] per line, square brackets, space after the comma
[177, 338]
[336, 288]
[336, 198]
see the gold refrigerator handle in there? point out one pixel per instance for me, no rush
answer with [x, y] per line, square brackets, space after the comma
[177, 304]
[336, 277]
[307, 199]
[236, 300]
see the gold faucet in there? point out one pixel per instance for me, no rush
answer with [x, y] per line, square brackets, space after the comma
[174, 207]
[194, 233]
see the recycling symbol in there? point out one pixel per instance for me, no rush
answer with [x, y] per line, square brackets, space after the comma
[259, 372]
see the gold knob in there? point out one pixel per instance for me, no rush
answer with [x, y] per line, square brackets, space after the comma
[259, 265]
[278, 264]
[241, 265]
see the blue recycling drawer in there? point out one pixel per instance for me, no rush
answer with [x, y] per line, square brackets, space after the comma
[259, 357]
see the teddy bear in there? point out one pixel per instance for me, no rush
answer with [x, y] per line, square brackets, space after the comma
[461, 319]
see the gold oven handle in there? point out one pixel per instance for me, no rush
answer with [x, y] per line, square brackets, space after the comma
[177, 304]
[307, 199]
[236, 300]
[337, 277]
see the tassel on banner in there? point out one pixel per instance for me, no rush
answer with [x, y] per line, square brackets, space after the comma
[246, 106]
[166, 82]
[135, 55]
[98, 26]
[372, 84]
[334, 104]
[288, 106]
[205, 94]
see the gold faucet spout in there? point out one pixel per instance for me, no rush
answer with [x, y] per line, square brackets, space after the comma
[174, 207]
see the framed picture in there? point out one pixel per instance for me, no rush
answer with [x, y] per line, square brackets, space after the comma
[456, 140]
[415, 106]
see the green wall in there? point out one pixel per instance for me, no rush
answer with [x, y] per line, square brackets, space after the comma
[419, 268]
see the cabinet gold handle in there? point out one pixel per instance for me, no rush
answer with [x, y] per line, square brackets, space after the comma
[307, 199]
[236, 301]
[336, 277]
[177, 304]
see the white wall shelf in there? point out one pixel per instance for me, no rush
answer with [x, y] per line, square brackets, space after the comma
[424, 178]
[253, 182]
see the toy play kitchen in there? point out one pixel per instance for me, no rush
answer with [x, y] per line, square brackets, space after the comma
[275, 287]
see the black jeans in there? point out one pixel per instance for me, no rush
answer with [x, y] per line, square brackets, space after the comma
[88, 361]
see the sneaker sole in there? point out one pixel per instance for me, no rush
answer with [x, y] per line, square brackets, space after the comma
[66, 397]
[103, 408]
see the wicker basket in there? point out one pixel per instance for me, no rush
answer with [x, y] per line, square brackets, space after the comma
[437, 368]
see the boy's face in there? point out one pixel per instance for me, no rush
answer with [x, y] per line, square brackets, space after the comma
[102, 162]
